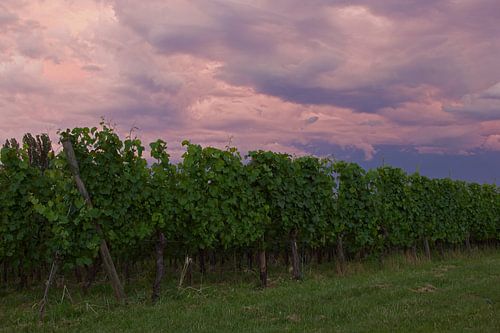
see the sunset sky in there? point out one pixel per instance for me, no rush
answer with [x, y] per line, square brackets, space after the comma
[413, 83]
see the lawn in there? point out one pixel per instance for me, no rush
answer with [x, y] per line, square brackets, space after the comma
[457, 293]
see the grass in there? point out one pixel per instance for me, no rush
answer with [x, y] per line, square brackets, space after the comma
[458, 293]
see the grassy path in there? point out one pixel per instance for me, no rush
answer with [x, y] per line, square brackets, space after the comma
[456, 294]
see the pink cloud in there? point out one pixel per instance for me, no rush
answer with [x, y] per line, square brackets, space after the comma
[263, 74]
[493, 142]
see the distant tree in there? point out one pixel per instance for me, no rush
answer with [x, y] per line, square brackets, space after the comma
[39, 150]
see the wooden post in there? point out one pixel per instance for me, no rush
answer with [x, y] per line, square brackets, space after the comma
[295, 256]
[23, 279]
[427, 248]
[440, 247]
[330, 254]
[238, 259]
[249, 260]
[467, 242]
[78, 274]
[414, 252]
[186, 272]
[189, 274]
[263, 268]
[286, 258]
[340, 255]
[105, 255]
[407, 254]
[45, 299]
[160, 267]
[91, 273]
[319, 255]
[5, 272]
[201, 258]
[126, 272]
[212, 260]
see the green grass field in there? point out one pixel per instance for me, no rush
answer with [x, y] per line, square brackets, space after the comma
[458, 293]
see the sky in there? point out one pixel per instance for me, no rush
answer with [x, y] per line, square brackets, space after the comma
[410, 83]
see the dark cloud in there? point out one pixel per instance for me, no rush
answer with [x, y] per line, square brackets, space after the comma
[232, 27]
[364, 100]
[151, 84]
[477, 166]
[425, 45]
[419, 75]
[484, 105]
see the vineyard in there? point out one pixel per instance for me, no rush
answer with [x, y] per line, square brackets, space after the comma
[99, 203]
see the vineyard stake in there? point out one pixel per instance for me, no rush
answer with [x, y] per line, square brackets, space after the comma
[295, 256]
[263, 267]
[160, 267]
[104, 250]
[45, 299]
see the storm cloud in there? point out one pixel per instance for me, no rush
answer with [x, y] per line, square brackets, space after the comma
[281, 75]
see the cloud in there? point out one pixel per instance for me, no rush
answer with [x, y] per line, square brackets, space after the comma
[484, 105]
[284, 74]
[357, 54]
[22, 77]
[7, 18]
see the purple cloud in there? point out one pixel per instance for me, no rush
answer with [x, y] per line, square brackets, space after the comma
[280, 74]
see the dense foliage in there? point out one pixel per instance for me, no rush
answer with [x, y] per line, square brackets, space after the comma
[215, 199]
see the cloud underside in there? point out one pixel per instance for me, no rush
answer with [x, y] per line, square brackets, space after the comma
[280, 75]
